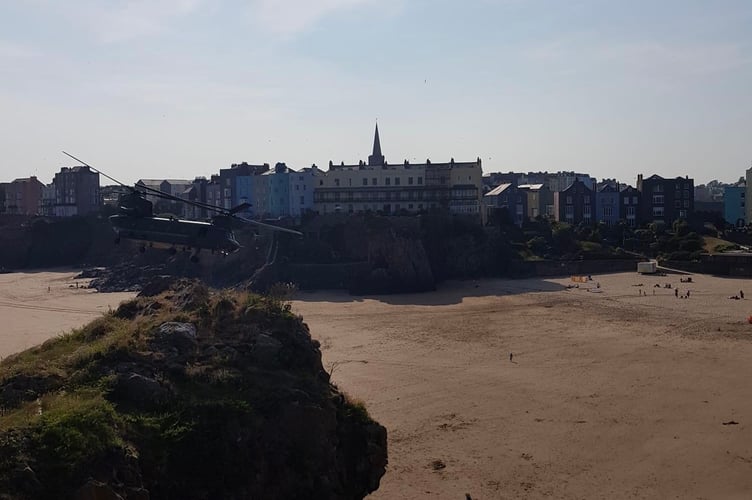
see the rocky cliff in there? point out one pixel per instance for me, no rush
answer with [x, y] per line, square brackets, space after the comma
[184, 393]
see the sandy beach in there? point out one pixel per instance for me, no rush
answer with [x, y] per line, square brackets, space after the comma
[35, 306]
[612, 392]
[621, 391]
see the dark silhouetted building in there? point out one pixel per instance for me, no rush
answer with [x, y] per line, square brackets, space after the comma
[666, 200]
[576, 204]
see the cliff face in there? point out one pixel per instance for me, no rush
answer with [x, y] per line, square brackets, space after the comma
[398, 265]
[186, 393]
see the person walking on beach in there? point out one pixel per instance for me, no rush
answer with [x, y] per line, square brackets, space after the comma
[511, 355]
[676, 293]
[741, 293]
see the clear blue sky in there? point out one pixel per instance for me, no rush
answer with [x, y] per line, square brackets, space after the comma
[180, 88]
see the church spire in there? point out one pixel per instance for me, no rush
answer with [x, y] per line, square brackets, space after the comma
[376, 159]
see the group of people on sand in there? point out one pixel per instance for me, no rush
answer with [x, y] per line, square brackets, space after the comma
[737, 297]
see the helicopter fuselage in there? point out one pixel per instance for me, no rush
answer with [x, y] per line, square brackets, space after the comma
[171, 233]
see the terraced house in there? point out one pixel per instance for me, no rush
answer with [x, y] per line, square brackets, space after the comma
[666, 200]
[400, 188]
[576, 204]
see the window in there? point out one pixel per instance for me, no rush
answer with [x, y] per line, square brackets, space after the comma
[587, 200]
[608, 211]
[387, 181]
[634, 200]
[657, 211]
[396, 181]
[321, 183]
[626, 200]
[302, 200]
[420, 180]
[682, 214]
[410, 181]
[657, 188]
[297, 187]
[586, 212]
[569, 200]
[336, 182]
[631, 211]
[657, 199]
[569, 212]
[365, 181]
[374, 181]
[686, 203]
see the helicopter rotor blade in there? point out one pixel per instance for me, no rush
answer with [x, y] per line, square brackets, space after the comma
[155, 192]
[239, 208]
[97, 171]
[268, 226]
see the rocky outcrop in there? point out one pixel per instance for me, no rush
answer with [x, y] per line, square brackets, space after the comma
[398, 264]
[189, 394]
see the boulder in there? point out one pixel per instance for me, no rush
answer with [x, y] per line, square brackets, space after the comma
[139, 390]
[266, 350]
[181, 336]
[95, 490]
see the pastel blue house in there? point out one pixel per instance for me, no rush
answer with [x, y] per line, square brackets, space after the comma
[278, 181]
[302, 185]
[607, 205]
[734, 210]
[238, 185]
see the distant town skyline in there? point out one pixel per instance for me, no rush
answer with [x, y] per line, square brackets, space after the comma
[182, 88]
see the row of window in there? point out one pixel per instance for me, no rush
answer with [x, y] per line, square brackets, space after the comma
[570, 200]
[658, 188]
[327, 196]
[658, 199]
[375, 181]
[660, 212]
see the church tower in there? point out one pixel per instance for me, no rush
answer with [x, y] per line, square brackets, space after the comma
[376, 159]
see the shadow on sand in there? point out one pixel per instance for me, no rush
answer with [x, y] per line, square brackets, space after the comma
[447, 293]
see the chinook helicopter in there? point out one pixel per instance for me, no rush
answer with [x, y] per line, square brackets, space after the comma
[137, 222]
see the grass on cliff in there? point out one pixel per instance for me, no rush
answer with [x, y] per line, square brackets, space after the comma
[59, 390]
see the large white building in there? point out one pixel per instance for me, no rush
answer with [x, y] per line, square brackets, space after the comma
[399, 188]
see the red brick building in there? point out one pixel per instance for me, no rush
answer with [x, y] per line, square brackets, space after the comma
[23, 196]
